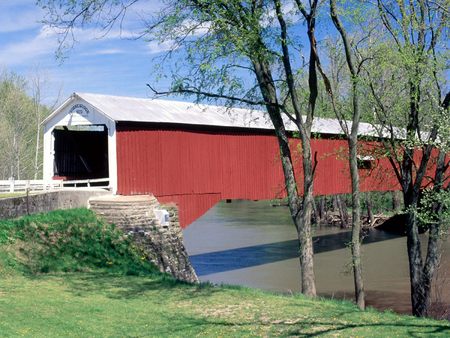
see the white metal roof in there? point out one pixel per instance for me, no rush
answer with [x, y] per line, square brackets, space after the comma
[130, 109]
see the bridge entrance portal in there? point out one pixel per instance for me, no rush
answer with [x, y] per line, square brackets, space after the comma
[81, 152]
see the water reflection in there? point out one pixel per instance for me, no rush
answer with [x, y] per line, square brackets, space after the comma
[239, 258]
[254, 244]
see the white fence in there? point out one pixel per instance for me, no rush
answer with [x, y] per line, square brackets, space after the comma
[42, 185]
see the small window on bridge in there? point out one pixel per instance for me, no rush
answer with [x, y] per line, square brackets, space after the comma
[365, 162]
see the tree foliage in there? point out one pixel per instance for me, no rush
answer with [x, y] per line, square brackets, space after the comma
[20, 117]
[406, 81]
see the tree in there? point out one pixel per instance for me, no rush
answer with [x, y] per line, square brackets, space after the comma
[222, 43]
[37, 84]
[351, 133]
[404, 79]
[16, 131]
[20, 136]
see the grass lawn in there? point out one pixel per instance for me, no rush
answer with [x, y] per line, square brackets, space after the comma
[99, 305]
[105, 301]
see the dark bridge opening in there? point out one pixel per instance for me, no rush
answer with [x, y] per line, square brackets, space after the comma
[81, 152]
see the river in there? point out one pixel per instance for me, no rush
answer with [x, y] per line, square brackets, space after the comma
[254, 244]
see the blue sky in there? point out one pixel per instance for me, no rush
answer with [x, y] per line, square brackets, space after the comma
[115, 64]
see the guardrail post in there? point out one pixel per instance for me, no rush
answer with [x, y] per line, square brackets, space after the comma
[11, 184]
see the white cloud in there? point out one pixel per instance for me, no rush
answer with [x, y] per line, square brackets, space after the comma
[194, 29]
[91, 34]
[46, 43]
[19, 15]
[15, 22]
[15, 53]
[106, 51]
[155, 47]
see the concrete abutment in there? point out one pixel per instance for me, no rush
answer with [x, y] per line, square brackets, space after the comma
[162, 238]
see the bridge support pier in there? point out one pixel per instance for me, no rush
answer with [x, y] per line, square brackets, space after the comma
[161, 238]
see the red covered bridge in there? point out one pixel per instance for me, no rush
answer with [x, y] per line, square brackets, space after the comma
[193, 155]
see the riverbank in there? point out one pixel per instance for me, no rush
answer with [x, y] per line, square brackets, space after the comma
[66, 274]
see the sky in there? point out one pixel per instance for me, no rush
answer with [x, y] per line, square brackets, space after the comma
[113, 64]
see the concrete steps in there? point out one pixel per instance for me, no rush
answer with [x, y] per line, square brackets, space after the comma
[127, 212]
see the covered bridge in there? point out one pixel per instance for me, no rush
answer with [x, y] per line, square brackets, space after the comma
[193, 155]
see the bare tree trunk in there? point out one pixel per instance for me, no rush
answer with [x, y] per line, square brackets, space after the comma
[411, 185]
[335, 203]
[411, 192]
[396, 201]
[12, 173]
[369, 209]
[356, 227]
[302, 218]
[305, 236]
[322, 208]
[342, 207]
[316, 212]
[36, 155]
[18, 163]
[418, 295]
[421, 275]
[38, 146]
[37, 112]
[352, 138]
[301, 212]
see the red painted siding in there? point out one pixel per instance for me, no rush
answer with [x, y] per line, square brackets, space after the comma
[196, 169]
[191, 207]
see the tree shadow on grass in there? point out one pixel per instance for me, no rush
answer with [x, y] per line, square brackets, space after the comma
[332, 328]
[182, 323]
[130, 287]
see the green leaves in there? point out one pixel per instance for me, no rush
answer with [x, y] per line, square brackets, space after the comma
[435, 208]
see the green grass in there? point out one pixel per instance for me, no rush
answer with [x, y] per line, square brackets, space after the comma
[11, 194]
[99, 305]
[103, 301]
[67, 241]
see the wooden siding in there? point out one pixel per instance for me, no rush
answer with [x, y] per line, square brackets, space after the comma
[198, 168]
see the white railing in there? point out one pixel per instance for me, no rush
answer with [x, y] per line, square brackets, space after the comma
[43, 185]
[93, 182]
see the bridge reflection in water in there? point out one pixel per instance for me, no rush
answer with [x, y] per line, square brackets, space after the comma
[239, 258]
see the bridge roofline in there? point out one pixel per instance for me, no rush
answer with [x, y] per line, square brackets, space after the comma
[121, 109]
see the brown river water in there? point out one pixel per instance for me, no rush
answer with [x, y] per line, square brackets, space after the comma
[254, 244]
